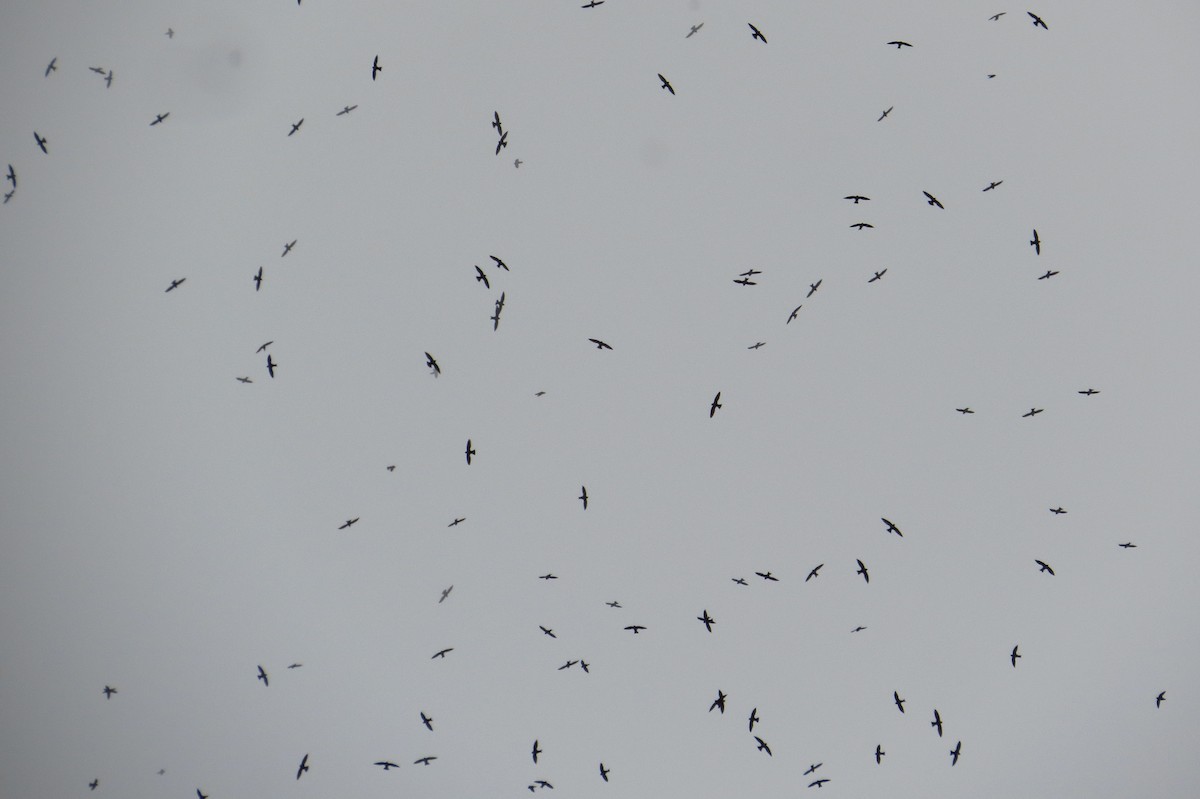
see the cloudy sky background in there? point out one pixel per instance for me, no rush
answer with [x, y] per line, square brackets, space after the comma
[166, 528]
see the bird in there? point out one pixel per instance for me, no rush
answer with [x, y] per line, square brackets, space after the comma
[899, 702]
[346, 110]
[502, 142]
[425, 761]
[109, 691]
[858, 629]
[931, 200]
[768, 576]
[1058, 511]
[303, 767]
[94, 784]
[387, 764]
[637, 628]
[891, 528]
[1045, 567]
[9, 195]
[1088, 392]
[878, 275]
[375, 68]
[756, 345]
[879, 753]
[1032, 412]
[856, 198]
[756, 33]
[262, 675]
[996, 17]
[108, 80]
[97, 70]
[271, 366]
[548, 577]
[762, 746]
[499, 308]
[604, 771]
[885, 113]
[1127, 545]
[470, 452]
[1036, 242]
[750, 273]
[708, 621]
[445, 593]
[1158, 700]
[812, 287]
[432, 363]
[795, 312]
[442, 654]
[496, 121]
[568, 664]
[295, 665]
[51, 66]
[158, 118]
[600, 345]
[745, 281]
[954, 753]
[258, 279]
[1013, 657]
[937, 722]
[500, 263]
[457, 521]
[536, 750]
[517, 163]
[819, 783]
[754, 719]
[170, 33]
[583, 664]
[264, 346]
[593, 4]
[862, 569]
[245, 380]
[964, 410]
[718, 703]
[813, 573]
[547, 631]
[716, 403]
[427, 721]
[176, 284]
[348, 522]
[739, 580]
[900, 44]
[613, 604]
[583, 496]
[694, 30]
[1037, 21]
[296, 126]
[861, 225]
[41, 142]
[993, 184]
[288, 247]
[1048, 274]
[666, 84]
[813, 768]
[481, 277]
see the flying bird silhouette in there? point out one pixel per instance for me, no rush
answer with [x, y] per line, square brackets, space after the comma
[862, 569]
[1127, 545]
[548, 577]
[762, 745]
[109, 691]
[445, 593]
[862, 225]
[176, 284]
[51, 66]
[600, 345]
[1058, 511]
[694, 30]
[812, 287]
[964, 410]
[470, 452]
[885, 113]
[1089, 392]
[442, 653]
[1032, 412]
[899, 702]
[937, 722]
[931, 200]
[1013, 657]
[891, 528]
[718, 703]
[262, 675]
[1037, 21]
[271, 366]
[955, 752]
[754, 719]
[666, 84]
[583, 496]
[258, 279]
[813, 573]
[375, 68]
[716, 403]
[547, 631]
[1049, 274]
[996, 17]
[348, 522]
[637, 628]
[387, 764]
[432, 363]
[879, 753]
[856, 198]
[1158, 700]
[536, 750]
[604, 772]
[1036, 243]
[427, 721]
[756, 33]
[819, 783]
[1044, 567]
[739, 581]
[813, 768]
[158, 118]
[993, 184]
[296, 126]
[303, 767]
[264, 346]
[288, 247]
[708, 621]
[245, 380]
[346, 110]
[94, 784]
[425, 761]
[502, 142]
[593, 4]
[768, 576]
[41, 142]
[900, 44]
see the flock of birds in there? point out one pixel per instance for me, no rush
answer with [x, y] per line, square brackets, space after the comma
[744, 279]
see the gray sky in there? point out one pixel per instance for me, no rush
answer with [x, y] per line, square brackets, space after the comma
[167, 528]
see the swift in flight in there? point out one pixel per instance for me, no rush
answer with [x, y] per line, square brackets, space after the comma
[931, 200]
[547, 631]
[258, 279]
[109, 691]
[637, 628]
[442, 653]
[862, 569]
[158, 118]
[1014, 655]
[819, 783]
[51, 67]
[900, 44]
[262, 675]
[245, 380]
[1127, 545]
[955, 752]
[432, 363]
[937, 722]
[1032, 412]
[879, 753]
[303, 767]
[718, 703]
[756, 33]
[176, 284]
[348, 522]
[768, 576]
[695, 29]
[795, 312]
[856, 198]
[604, 771]
[288, 247]
[1058, 511]
[502, 143]
[964, 410]
[1089, 392]
[1044, 567]
[470, 452]
[387, 764]
[861, 225]
[739, 580]
[762, 745]
[296, 126]
[708, 620]
[993, 184]
[346, 110]
[481, 277]
[1158, 700]
[263, 348]
[812, 287]
[891, 528]
[754, 719]
[583, 496]
[41, 142]
[899, 702]
[427, 721]
[271, 366]
[996, 17]
[885, 113]
[425, 761]
[499, 263]
[375, 68]
[536, 750]
[666, 84]
[716, 403]
[813, 573]
[1049, 274]
[445, 593]
[878, 275]
[600, 345]
[1036, 243]
[1037, 21]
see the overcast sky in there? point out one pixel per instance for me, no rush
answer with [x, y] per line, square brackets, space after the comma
[167, 529]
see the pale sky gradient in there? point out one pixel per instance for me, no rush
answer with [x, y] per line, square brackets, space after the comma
[166, 529]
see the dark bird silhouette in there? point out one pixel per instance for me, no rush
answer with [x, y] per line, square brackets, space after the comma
[457, 521]
[445, 593]
[346, 110]
[819, 782]
[258, 279]
[1049, 274]
[158, 118]
[795, 312]
[348, 522]
[583, 664]
[762, 745]
[1032, 412]
[295, 665]
[604, 771]
[94, 784]
[109, 691]
[937, 722]
[856, 198]
[41, 142]
[568, 664]
[496, 122]
[548, 577]
[271, 366]
[993, 184]
[97, 70]
[708, 621]
[694, 30]
[170, 34]
[1036, 242]
[637, 628]
[1037, 21]
[9, 195]
[499, 308]
[754, 719]
[756, 345]
[427, 721]
[288, 247]
[718, 703]
[666, 84]
[877, 276]
[387, 764]
[442, 654]
[1127, 545]
[885, 113]
[739, 581]
[517, 163]
[432, 363]
[547, 631]
[245, 380]
[600, 345]
[108, 80]
[1058, 511]
[296, 126]
[11, 176]
[900, 44]
[1044, 567]
[583, 496]
[613, 604]
[858, 629]
[955, 752]
[502, 142]
[768, 576]
[303, 767]
[375, 68]
[593, 4]
[745, 281]
[425, 761]
[1089, 392]
[899, 702]
[750, 273]
[262, 675]
[933, 200]
[1158, 700]
[51, 66]
[812, 287]
[862, 569]
[1013, 657]
[756, 33]
[716, 403]
[536, 750]
[879, 753]
[263, 348]
[861, 225]
[812, 768]
[176, 284]
[470, 452]
[500, 263]
[481, 277]
[996, 17]
[813, 573]
[964, 410]
[891, 528]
